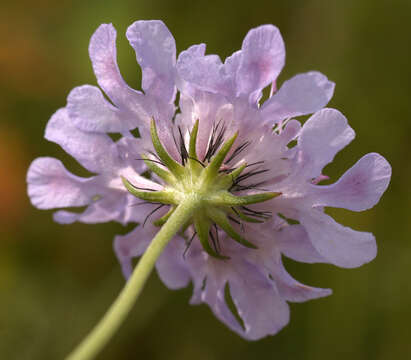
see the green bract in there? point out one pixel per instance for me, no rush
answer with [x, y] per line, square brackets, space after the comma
[205, 184]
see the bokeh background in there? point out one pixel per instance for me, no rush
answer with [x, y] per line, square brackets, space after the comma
[56, 281]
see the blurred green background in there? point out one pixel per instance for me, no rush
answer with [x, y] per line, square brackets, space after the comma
[56, 281]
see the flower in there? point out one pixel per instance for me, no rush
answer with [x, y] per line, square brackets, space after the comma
[223, 136]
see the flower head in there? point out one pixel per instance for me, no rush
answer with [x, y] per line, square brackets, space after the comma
[222, 144]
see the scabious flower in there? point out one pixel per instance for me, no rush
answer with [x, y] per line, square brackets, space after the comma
[254, 167]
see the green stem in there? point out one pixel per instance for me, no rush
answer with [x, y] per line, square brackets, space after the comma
[109, 324]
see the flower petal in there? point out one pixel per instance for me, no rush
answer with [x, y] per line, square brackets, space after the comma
[252, 292]
[293, 242]
[205, 72]
[110, 207]
[187, 56]
[360, 188]
[132, 245]
[338, 244]
[262, 59]
[292, 290]
[303, 94]
[156, 53]
[322, 137]
[171, 267]
[94, 151]
[103, 55]
[90, 111]
[51, 186]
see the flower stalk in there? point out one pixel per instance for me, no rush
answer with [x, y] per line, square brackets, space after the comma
[90, 347]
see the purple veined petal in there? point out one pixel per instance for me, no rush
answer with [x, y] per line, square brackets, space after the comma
[103, 55]
[132, 245]
[209, 278]
[93, 151]
[338, 244]
[303, 94]
[292, 290]
[130, 150]
[293, 242]
[206, 73]
[360, 188]
[290, 131]
[90, 111]
[187, 56]
[135, 179]
[171, 266]
[322, 137]
[263, 57]
[51, 186]
[156, 53]
[251, 292]
[232, 63]
[110, 205]
[214, 296]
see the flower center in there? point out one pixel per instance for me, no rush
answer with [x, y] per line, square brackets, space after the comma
[208, 185]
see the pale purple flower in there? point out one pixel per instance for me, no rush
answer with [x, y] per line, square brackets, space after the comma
[225, 98]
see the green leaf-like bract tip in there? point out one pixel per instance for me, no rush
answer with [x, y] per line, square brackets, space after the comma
[176, 169]
[164, 197]
[224, 198]
[163, 174]
[211, 170]
[202, 227]
[220, 218]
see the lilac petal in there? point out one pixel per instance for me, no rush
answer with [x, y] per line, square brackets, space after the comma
[232, 63]
[303, 94]
[292, 290]
[132, 245]
[322, 137]
[214, 296]
[90, 111]
[360, 188]
[293, 242]
[110, 207]
[156, 53]
[206, 73]
[187, 56]
[171, 266]
[51, 186]
[340, 245]
[103, 55]
[252, 292]
[262, 59]
[94, 151]
[291, 130]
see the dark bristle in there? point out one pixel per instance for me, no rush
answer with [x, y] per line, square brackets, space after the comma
[180, 146]
[216, 139]
[151, 160]
[145, 203]
[188, 245]
[154, 154]
[238, 186]
[234, 220]
[183, 149]
[217, 238]
[213, 240]
[255, 213]
[141, 188]
[237, 151]
[256, 163]
[152, 212]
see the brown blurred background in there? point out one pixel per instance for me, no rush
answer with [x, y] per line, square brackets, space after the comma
[56, 281]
